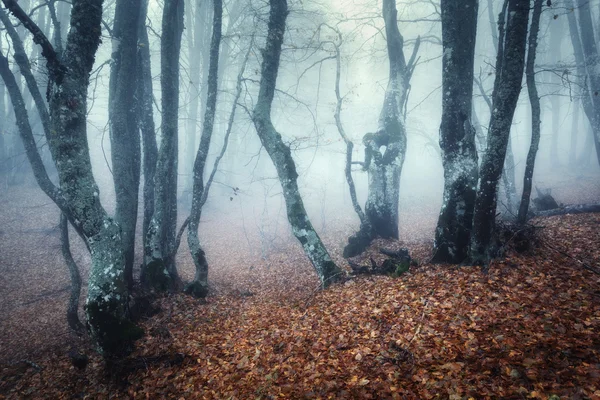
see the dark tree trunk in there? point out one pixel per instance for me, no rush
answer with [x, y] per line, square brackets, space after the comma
[144, 93]
[159, 270]
[73, 308]
[507, 86]
[534, 100]
[199, 286]
[457, 135]
[78, 196]
[124, 133]
[591, 61]
[280, 154]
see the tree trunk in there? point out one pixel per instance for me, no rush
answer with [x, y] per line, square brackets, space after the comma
[385, 169]
[78, 196]
[592, 67]
[159, 270]
[507, 86]
[73, 308]
[199, 286]
[198, 55]
[144, 95]
[280, 154]
[534, 100]
[124, 132]
[574, 133]
[457, 135]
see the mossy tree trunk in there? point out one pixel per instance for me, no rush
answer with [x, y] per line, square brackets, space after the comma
[78, 196]
[457, 135]
[280, 154]
[510, 63]
[385, 167]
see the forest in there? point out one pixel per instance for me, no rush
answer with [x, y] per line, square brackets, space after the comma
[320, 199]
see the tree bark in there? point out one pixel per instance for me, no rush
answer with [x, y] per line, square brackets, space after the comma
[280, 154]
[73, 308]
[536, 121]
[78, 197]
[144, 95]
[159, 270]
[510, 62]
[124, 132]
[385, 169]
[591, 60]
[457, 135]
[199, 286]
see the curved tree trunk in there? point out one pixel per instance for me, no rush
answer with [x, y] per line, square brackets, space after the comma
[124, 133]
[457, 135]
[534, 99]
[199, 286]
[280, 154]
[78, 197]
[159, 271]
[507, 86]
[385, 169]
[73, 308]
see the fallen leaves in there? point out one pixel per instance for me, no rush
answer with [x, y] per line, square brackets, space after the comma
[528, 329]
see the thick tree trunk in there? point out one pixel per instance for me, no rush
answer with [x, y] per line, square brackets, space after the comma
[280, 154]
[507, 86]
[159, 270]
[124, 132]
[385, 169]
[591, 60]
[457, 135]
[534, 100]
[199, 286]
[144, 95]
[78, 197]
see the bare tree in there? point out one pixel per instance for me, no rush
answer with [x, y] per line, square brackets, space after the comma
[457, 135]
[280, 153]
[144, 93]
[385, 167]
[199, 287]
[78, 196]
[534, 99]
[124, 132]
[510, 63]
[159, 270]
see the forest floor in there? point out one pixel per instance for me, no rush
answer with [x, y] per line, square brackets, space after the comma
[527, 329]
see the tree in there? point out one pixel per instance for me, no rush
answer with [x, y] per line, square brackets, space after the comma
[124, 132]
[384, 168]
[199, 286]
[159, 269]
[457, 135]
[534, 99]
[144, 96]
[510, 63]
[280, 153]
[591, 63]
[78, 196]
